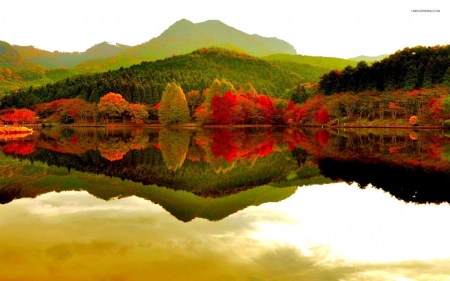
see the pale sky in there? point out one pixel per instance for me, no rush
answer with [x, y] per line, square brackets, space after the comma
[320, 27]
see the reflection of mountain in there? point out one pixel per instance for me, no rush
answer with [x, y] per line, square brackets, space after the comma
[20, 179]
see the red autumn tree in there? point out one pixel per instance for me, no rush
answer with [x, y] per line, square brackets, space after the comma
[18, 116]
[323, 116]
[267, 109]
[222, 108]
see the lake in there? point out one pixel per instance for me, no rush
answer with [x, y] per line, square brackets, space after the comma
[225, 204]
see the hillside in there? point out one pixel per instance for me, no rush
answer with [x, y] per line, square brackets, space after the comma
[56, 59]
[195, 71]
[410, 68]
[325, 62]
[40, 67]
[184, 37]
[369, 58]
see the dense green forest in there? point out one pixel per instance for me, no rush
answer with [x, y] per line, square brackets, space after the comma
[327, 62]
[145, 83]
[410, 68]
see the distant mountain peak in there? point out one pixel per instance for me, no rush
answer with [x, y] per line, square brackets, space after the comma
[369, 58]
[182, 29]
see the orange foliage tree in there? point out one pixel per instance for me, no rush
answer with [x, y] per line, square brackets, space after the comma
[112, 105]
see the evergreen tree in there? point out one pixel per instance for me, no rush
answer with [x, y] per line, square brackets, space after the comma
[427, 76]
[215, 88]
[173, 107]
[447, 77]
[411, 79]
[300, 95]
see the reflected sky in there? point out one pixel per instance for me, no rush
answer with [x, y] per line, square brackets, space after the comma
[322, 232]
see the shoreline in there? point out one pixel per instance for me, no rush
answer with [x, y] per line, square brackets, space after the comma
[191, 125]
[22, 129]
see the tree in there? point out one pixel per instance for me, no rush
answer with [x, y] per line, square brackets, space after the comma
[112, 105]
[194, 99]
[173, 107]
[138, 113]
[19, 116]
[411, 79]
[300, 95]
[323, 116]
[223, 108]
[447, 77]
[427, 76]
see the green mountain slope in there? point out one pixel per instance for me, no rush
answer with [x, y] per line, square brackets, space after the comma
[195, 71]
[65, 59]
[41, 67]
[184, 37]
[325, 62]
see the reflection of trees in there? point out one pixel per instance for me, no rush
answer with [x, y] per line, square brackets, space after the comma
[410, 183]
[225, 147]
[19, 147]
[174, 146]
[113, 149]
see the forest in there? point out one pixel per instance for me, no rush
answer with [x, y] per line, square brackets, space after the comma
[145, 82]
[408, 88]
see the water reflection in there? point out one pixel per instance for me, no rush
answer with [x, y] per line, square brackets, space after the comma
[74, 236]
[412, 165]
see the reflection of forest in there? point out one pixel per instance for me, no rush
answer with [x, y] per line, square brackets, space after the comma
[23, 179]
[205, 162]
[412, 165]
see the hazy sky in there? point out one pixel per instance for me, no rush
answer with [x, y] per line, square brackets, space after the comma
[320, 27]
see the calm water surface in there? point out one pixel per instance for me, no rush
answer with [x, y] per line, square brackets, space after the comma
[247, 204]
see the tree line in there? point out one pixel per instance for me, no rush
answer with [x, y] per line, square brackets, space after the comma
[410, 68]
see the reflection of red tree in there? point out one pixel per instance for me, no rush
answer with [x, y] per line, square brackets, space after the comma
[265, 148]
[434, 150]
[294, 138]
[19, 148]
[222, 145]
[239, 145]
[322, 137]
[73, 140]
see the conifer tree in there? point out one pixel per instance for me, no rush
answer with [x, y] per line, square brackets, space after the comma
[173, 107]
[447, 77]
[411, 79]
[427, 76]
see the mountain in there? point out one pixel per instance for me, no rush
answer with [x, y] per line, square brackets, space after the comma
[184, 37]
[369, 58]
[144, 83]
[326, 62]
[40, 67]
[64, 59]
[12, 59]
